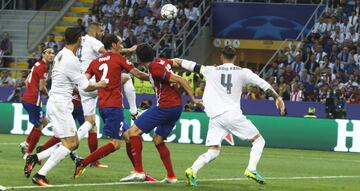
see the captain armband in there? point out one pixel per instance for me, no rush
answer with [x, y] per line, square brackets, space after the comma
[190, 66]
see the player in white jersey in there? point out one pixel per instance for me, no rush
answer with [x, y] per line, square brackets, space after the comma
[65, 74]
[222, 94]
[90, 49]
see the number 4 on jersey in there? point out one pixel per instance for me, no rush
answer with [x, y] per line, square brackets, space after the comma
[228, 85]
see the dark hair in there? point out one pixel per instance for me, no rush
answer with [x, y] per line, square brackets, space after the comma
[108, 40]
[228, 52]
[72, 34]
[145, 53]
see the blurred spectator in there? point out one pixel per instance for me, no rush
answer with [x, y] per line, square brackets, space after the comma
[106, 25]
[81, 26]
[108, 9]
[188, 107]
[297, 66]
[89, 18]
[199, 91]
[131, 40]
[296, 94]
[156, 9]
[5, 79]
[345, 56]
[51, 42]
[288, 74]
[140, 28]
[6, 49]
[15, 96]
[31, 61]
[311, 113]
[192, 13]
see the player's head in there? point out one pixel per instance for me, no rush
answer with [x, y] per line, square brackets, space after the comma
[73, 36]
[112, 43]
[47, 54]
[228, 54]
[95, 30]
[145, 53]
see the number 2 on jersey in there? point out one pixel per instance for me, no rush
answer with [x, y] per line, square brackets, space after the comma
[228, 85]
[104, 67]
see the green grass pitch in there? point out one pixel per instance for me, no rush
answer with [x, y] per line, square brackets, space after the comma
[285, 169]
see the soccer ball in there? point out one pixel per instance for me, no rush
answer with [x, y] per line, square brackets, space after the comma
[168, 12]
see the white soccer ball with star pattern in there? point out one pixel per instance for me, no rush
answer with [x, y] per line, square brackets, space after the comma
[169, 11]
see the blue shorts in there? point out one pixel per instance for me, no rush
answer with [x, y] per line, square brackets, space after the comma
[36, 114]
[162, 118]
[78, 115]
[114, 124]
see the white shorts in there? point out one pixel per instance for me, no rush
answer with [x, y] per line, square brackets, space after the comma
[59, 114]
[89, 100]
[233, 122]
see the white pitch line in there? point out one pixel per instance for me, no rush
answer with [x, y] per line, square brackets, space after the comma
[181, 181]
[9, 143]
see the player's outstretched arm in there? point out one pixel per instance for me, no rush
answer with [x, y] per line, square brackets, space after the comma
[128, 50]
[139, 74]
[187, 65]
[252, 78]
[92, 87]
[185, 84]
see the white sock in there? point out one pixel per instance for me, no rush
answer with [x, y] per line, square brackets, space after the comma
[58, 155]
[205, 158]
[46, 153]
[130, 95]
[84, 130]
[255, 153]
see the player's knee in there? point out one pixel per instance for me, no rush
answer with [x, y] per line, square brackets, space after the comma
[45, 121]
[90, 119]
[259, 141]
[134, 131]
[157, 139]
[115, 143]
[93, 129]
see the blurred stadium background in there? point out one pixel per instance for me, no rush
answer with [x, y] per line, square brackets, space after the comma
[308, 50]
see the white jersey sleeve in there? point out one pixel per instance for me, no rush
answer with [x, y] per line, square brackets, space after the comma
[252, 78]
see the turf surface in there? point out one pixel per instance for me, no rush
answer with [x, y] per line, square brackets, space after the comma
[286, 169]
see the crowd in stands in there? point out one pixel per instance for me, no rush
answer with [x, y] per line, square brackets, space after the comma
[325, 65]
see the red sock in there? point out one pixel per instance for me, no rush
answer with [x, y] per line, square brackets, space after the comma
[50, 142]
[165, 157]
[128, 151]
[136, 149]
[92, 141]
[34, 139]
[28, 138]
[98, 154]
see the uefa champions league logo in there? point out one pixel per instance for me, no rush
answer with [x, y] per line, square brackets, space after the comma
[263, 27]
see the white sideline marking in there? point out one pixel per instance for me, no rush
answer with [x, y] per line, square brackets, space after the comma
[181, 181]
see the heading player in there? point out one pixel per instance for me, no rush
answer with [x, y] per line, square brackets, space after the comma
[90, 49]
[31, 99]
[164, 116]
[108, 67]
[222, 94]
[65, 74]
